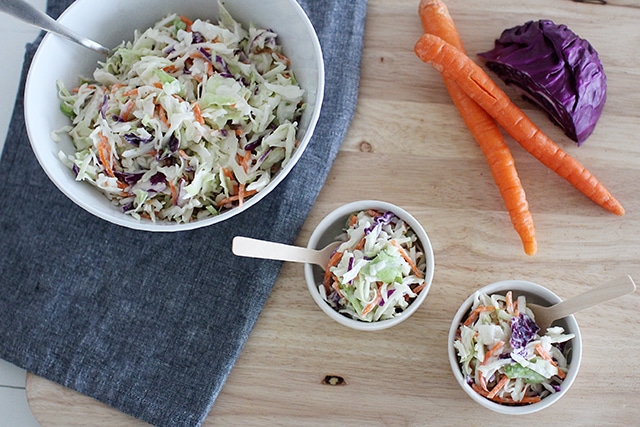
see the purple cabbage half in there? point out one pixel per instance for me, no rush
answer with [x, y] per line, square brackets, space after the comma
[554, 68]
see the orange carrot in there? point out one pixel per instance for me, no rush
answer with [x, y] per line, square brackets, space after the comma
[509, 302]
[546, 356]
[174, 193]
[334, 260]
[162, 115]
[496, 347]
[499, 386]
[237, 197]
[127, 110]
[104, 152]
[197, 113]
[476, 312]
[188, 22]
[367, 308]
[457, 66]
[132, 92]
[436, 20]
[506, 400]
[407, 258]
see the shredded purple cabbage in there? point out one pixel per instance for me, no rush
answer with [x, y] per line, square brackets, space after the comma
[384, 219]
[523, 330]
[136, 140]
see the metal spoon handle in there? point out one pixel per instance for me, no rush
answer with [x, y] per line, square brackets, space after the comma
[614, 289]
[26, 12]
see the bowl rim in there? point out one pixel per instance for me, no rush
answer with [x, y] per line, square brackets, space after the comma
[330, 222]
[546, 295]
[121, 219]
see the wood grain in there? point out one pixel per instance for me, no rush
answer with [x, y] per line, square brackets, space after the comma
[408, 146]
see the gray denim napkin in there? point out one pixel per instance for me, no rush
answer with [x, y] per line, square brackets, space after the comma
[150, 323]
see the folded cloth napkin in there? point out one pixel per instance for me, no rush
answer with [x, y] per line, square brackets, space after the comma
[152, 323]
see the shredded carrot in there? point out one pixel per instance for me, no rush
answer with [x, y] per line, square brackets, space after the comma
[188, 22]
[245, 161]
[170, 69]
[496, 347]
[116, 86]
[367, 308]
[476, 312]
[352, 220]
[509, 302]
[483, 381]
[407, 258]
[158, 85]
[241, 194]
[546, 356]
[132, 92]
[471, 78]
[360, 245]
[499, 386]
[174, 193]
[236, 198]
[419, 288]
[128, 109]
[335, 258]
[436, 20]
[505, 400]
[162, 115]
[197, 113]
[228, 173]
[104, 152]
[336, 287]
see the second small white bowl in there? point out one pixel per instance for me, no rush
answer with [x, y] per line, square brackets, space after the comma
[535, 294]
[331, 227]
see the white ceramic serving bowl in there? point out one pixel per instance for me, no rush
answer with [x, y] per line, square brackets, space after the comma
[535, 294]
[110, 23]
[330, 228]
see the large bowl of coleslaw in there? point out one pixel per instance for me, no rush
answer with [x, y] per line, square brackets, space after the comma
[501, 358]
[380, 273]
[199, 112]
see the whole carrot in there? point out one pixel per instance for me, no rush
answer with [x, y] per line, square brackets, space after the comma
[478, 85]
[436, 20]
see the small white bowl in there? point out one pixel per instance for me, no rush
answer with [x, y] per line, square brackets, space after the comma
[330, 228]
[535, 294]
[110, 23]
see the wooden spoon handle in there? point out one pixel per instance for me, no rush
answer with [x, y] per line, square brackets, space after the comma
[255, 248]
[616, 288]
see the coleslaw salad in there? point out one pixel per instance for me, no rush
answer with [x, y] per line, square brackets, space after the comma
[504, 356]
[377, 271]
[186, 121]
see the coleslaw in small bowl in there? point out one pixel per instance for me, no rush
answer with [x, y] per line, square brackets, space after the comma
[379, 274]
[502, 359]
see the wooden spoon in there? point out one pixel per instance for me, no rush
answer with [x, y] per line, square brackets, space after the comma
[616, 288]
[255, 248]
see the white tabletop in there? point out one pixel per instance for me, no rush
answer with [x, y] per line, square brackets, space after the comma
[14, 35]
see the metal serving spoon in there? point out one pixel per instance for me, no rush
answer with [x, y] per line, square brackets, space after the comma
[616, 288]
[26, 12]
[254, 248]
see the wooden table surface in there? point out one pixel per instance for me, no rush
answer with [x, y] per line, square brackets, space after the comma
[407, 145]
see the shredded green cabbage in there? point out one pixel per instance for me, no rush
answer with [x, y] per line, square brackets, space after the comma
[186, 121]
